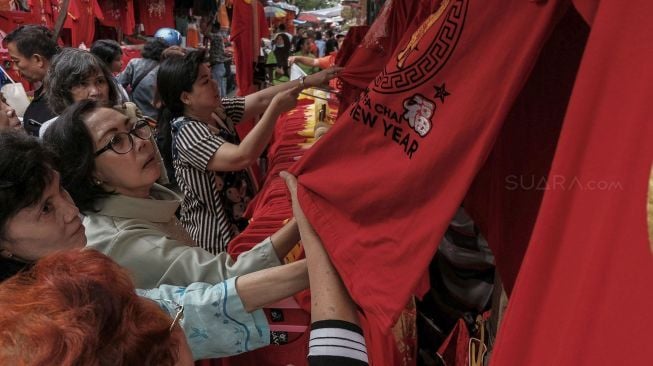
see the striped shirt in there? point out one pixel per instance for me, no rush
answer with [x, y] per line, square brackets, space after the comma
[203, 208]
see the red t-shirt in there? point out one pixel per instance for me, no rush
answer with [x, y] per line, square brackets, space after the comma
[382, 185]
[583, 292]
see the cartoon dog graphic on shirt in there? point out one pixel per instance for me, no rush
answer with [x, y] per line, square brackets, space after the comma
[418, 111]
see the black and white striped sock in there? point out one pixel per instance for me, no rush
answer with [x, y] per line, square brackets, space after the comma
[336, 342]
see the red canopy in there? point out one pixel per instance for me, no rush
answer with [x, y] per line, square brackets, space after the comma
[308, 18]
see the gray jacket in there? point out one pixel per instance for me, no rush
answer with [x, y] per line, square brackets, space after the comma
[144, 236]
[143, 94]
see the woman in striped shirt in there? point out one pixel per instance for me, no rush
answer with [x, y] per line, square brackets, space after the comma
[207, 155]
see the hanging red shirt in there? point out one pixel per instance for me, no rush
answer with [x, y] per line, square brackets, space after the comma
[583, 294]
[382, 185]
[156, 14]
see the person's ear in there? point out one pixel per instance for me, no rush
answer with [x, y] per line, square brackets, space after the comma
[39, 60]
[97, 178]
[185, 98]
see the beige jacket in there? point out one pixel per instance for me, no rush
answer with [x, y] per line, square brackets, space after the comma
[144, 236]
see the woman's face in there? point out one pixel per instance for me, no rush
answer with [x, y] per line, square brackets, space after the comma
[50, 225]
[306, 47]
[279, 41]
[131, 174]
[116, 64]
[205, 95]
[95, 87]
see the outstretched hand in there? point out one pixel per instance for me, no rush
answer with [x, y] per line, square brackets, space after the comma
[322, 78]
[291, 183]
[287, 99]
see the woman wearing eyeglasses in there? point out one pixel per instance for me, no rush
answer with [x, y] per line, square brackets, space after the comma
[107, 164]
[39, 218]
[82, 299]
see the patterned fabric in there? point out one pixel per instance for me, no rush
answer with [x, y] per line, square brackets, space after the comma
[214, 202]
[214, 319]
[216, 52]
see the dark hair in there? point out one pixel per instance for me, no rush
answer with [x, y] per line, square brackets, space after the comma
[153, 49]
[281, 27]
[25, 172]
[318, 35]
[177, 75]
[79, 307]
[329, 33]
[72, 143]
[300, 43]
[281, 54]
[70, 68]
[106, 50]
[33, 39]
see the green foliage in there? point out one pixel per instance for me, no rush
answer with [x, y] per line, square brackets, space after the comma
[315, 4]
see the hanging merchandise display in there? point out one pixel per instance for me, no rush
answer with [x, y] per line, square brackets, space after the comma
[582, 294]
[155, 14]
[118, 14]
[247, 28]
[416, 118]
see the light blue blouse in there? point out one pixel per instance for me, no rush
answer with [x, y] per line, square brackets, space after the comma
[214, 319]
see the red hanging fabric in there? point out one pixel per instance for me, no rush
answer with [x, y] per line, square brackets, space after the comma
[155, 14]
[396, 19]
[81, 21]
[128, 20]
[583, 295]
[506, 194]
[241, 37]
[410, 147]
[118, 14]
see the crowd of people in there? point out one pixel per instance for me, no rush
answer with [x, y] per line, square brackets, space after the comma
[102, 258]
[309, 49]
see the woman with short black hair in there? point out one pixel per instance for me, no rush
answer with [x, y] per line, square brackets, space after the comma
[37, 217]
[109, 52]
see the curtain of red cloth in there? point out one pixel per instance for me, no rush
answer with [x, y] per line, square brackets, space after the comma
[410, 147]
[505, 197]
[118, 14]
[583, 295]
[155, 14]
[244, 36]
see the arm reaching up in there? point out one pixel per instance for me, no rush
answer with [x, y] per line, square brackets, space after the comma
[257, 102]
[231, 157]
[336, 337]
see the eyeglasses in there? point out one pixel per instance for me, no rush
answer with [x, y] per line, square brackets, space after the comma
[170, 306]
[123, 142]
[178, 316]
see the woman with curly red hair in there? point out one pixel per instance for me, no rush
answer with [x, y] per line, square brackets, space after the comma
[79, 307]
